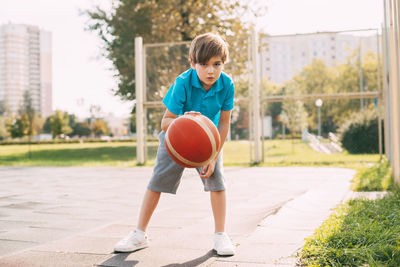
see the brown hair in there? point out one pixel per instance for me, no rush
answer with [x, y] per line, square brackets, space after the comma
[206, 46]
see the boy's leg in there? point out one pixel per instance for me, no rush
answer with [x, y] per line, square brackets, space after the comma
[216, 185]
[166, 177]
[222, 243]
[150, 201]
[138, 238]
[218, 204]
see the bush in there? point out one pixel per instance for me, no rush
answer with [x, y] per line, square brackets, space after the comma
[359, 134]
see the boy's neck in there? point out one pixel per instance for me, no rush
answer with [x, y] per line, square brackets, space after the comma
[205, 87]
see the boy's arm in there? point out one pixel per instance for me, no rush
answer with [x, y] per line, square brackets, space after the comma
[223, 126]
[223, 129]
[167, 119]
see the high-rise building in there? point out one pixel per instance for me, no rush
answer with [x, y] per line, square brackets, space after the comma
[285, 55]
[25, 66]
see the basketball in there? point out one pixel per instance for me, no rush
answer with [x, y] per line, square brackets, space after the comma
[192, 141]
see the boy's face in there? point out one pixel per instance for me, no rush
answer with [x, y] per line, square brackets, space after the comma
[209, 72]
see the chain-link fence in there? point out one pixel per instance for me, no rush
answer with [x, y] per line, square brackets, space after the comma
[293, 86]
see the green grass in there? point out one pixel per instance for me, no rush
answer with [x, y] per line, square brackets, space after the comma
[360, 233]
[296, 153]
[86, 154]
[236, 153]
[374, 178]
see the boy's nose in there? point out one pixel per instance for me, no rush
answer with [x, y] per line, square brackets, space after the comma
[210, 69]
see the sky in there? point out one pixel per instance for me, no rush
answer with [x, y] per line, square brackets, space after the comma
[82, 77]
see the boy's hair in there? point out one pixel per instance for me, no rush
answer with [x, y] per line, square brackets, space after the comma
[206, 46]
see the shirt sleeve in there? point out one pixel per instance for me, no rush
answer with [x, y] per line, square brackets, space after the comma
[228, 103]
[175, 98]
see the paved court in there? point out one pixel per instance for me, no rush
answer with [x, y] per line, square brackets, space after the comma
[71, 216]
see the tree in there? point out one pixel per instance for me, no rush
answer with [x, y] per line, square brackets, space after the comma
[132, 123]
[59, 123]
[318, 78]
[99, 127]
[81, 129]
[273, 109]
[3, 128]
[46, 126]
[23, 124]
[240, 124]
[72, 123]
[167, 21]
[3, 107]
[294, 116]
[28, 122]
[348, 80]
[17, 128]
[27, 117]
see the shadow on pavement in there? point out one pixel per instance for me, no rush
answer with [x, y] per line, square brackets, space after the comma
[194, 262]
[119, 260]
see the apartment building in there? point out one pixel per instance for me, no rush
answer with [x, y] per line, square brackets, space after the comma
[285, 55]
[25, 65]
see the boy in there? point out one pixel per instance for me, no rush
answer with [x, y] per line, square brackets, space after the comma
[202, 89]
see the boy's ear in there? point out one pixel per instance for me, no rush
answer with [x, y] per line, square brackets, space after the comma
[192, 64]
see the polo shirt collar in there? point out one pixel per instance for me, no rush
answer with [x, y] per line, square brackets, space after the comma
[218, 85]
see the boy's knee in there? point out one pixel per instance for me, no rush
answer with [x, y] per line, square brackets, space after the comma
[154, 193]
[217, 192]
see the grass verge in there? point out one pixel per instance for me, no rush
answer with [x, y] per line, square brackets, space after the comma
[374, 178]
[360, 233]
[123, 154]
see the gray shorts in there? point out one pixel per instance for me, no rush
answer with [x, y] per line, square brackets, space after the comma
[167, 174]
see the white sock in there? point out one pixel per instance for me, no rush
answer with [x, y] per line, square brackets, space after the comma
[140, 231]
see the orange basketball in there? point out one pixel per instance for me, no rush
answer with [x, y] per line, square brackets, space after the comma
[192, 140]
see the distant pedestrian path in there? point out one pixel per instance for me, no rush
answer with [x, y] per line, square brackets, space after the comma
[72, 216]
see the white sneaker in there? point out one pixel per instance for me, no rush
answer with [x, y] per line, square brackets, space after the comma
[223, 244]
[132, 242]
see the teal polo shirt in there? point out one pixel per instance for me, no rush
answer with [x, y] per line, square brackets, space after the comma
[187, 94]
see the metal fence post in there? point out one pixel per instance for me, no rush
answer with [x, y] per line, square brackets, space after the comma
[140, 146]
[256, 98]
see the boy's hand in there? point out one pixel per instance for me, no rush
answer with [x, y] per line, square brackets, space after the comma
[192, 113]
[208, 170]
